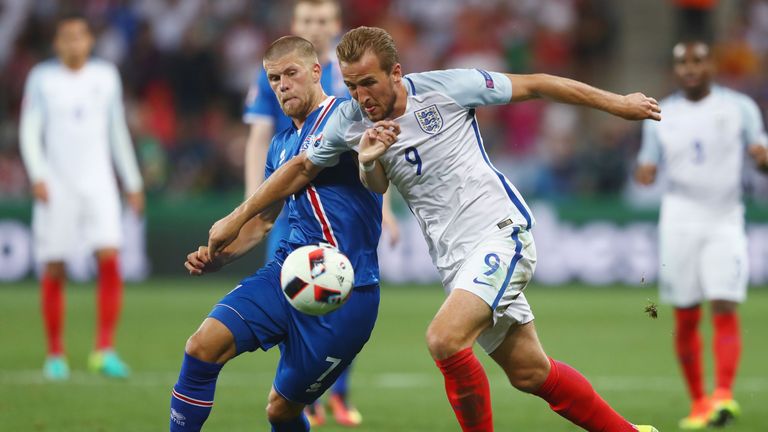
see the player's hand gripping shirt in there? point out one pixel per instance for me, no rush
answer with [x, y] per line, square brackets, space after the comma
[72, 122]
[335, 207]
[439, 164]
[702, 145]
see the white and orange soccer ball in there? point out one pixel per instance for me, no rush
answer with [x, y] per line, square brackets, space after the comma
[317, 279]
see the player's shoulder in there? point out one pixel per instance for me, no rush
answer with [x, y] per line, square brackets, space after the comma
[347, 110]
[671, 100]
[734, 96]
[45, 67]
[438, 80]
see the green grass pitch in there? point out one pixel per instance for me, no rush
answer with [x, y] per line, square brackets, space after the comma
[603, 332]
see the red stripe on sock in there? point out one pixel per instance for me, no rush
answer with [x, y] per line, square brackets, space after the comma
[727, 347]
[572, 396]
[110, 293]
[688, 348]
[466, 386]
[52, 304]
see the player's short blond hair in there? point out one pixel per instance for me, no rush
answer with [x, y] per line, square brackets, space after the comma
[335, 3]
[355, 43]
[291, 44]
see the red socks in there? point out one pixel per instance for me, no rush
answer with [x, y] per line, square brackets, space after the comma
[727, 347]
[572, 396]
[688, 348]
[52, 303]
[110, 293]
[468, 391]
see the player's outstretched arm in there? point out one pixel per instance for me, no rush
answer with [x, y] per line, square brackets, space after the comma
[252, 233]
[287, 180]
[634, 106]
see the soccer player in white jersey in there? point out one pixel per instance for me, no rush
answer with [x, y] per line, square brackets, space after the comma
[701, 144]
[72, 126]
[419, 131]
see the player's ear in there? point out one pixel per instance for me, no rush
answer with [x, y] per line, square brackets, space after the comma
[316, 71]
[397, 73]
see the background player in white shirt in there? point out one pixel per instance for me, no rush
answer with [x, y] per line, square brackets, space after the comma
[72, 125]
[701, 144]
[476, 223]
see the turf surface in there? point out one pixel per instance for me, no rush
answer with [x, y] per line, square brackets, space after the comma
[603, 332]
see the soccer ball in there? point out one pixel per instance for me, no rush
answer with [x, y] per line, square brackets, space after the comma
[317, 279]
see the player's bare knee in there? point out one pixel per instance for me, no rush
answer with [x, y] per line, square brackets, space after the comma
[443, 344]
[55, 270]
[723, 306]
[213, 345]
[280, 409]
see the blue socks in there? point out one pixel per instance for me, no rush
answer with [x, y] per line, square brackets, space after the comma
[299, 424]
[192, 396]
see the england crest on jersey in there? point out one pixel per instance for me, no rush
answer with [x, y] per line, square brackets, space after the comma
[429, 119]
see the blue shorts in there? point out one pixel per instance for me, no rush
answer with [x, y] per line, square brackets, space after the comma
[314, 350]
[280, 230]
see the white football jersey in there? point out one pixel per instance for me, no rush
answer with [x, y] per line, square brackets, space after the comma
[701, 146]
[439, 164]
[73, 123]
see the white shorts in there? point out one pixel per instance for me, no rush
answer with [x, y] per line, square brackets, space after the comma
[71, 218]
[497, 271]
[702, 262]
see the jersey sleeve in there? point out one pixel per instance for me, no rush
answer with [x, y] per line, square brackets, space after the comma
[31, 128]
[468, 87]
[261, 101]
[650, 150]
[120, 139]
[325, 152]
[754, 128]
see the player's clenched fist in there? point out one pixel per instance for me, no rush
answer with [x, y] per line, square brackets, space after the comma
[637, 106]
[377, 139]
[199, 263]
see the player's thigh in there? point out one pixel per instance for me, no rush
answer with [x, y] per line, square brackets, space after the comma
[724, 263]
[458, 323]
[497, 272]
[680, 249]
[256, 311]
[318, 349]
[55, 223]
[212, 342]
[102, 223]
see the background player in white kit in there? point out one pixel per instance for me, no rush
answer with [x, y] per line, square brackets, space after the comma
[72, 124]
[703, 248]
[475, 222]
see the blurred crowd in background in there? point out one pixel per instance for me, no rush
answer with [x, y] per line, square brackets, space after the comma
[187, 65]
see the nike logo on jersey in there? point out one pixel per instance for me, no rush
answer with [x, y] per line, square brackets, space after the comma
[479, 282]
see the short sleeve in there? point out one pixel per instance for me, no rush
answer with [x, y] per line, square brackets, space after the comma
[261, 101]
[650, 151]
[325, 152]
[468, 87]
[754, 128]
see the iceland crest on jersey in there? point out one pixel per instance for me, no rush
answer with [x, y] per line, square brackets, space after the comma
[429, 119]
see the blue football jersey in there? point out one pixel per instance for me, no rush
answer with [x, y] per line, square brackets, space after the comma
[335, 207]
[262, 102]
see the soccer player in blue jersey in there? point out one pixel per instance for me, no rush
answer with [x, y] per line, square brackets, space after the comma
[419, 131]
[318, 21]
[335, 208]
